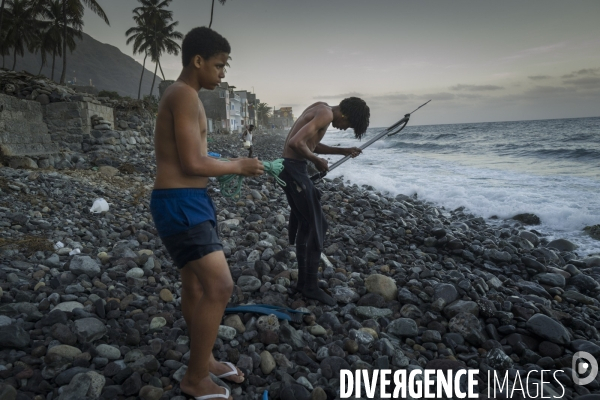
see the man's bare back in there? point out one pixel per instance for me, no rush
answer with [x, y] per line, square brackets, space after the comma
[169, 172]
[317, 129]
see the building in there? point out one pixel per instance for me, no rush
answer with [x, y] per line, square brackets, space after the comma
[228, 109]
[283, 118]
[248, 107]
[217, 105]
[252, 105]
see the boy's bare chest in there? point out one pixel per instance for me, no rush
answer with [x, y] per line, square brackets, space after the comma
[315, 140]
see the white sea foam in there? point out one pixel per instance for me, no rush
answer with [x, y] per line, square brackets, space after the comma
[486, 185]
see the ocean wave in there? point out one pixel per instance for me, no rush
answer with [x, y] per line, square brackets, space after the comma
[445, 136]
[426, 146]
[564, 154]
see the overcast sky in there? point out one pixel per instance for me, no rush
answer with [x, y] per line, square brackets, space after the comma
[479, 60]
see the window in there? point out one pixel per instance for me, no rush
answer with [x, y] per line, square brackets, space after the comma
[233, 107]
[222, 94]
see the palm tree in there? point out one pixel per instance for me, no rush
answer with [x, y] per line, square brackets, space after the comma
[164, 37]
[52, 37]
[153, 12]
[4, 45]
[1, 16]
[19, 32]
[263, 112]
[154, 34]
[212, 8]
[141, 38]
[67, 5]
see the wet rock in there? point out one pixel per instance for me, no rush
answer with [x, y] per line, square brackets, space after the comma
[403, 327]
[549, 329]
[14, 336]
[562, 245]
[468, 326]
[528, 219]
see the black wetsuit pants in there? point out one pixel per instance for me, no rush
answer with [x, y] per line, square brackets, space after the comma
[307, 226]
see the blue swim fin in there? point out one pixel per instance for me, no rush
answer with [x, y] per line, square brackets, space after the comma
[267, 309]
[258, 310]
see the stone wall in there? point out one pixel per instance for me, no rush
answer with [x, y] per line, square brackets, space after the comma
[133, 131]
[71, 122]
[22, 129]
[70, 134]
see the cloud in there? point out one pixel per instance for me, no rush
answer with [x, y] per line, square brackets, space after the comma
[295, 106]
[536, 51]
[582, 72]
[587, 82]
[539, 77]
[546, 90]
[476, 88]
[394, 97]
[338, 96]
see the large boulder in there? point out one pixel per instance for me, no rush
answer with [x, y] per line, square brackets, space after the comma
[85, 265]
[382, 285]
[549, 329]
[528, 219]
[562, 245]
[468, 326]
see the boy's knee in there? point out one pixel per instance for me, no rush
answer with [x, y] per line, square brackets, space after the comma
[221, 289]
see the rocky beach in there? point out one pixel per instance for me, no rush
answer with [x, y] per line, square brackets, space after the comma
[90, 302]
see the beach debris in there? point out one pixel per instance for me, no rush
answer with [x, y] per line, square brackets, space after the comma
[100, 205]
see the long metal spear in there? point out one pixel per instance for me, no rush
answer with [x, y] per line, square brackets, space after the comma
[392, 130]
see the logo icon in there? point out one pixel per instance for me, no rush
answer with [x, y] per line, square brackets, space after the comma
[585, 368]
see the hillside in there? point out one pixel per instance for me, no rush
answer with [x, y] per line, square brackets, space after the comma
[104, 64]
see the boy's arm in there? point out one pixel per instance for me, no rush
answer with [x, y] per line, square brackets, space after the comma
[345, 151]
[186, 114]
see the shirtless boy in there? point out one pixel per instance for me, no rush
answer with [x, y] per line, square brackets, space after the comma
[183, 212]
[307, 224]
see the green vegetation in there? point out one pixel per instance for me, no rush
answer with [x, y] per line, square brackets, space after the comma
[263, 113]
[110, 95]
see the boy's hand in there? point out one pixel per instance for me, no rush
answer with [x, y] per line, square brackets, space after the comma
[321, 164]
[352, 152]
[251, 167]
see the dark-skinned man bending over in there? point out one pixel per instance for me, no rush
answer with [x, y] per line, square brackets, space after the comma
[307, 226]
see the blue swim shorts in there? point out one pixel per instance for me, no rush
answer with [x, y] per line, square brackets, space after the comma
[186, 223]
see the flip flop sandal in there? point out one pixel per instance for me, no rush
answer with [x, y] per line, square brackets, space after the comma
[233, 371]
[208, 396]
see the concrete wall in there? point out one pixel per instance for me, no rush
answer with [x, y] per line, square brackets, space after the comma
[22, 128]
[71, 122]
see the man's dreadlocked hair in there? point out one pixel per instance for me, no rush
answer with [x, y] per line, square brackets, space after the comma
[358, 113]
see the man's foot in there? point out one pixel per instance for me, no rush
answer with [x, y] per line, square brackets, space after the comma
[318, 294]
[298, 288]
[225, 370]
[206, 387]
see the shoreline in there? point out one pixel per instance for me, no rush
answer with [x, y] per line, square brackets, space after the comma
[417, 287]
[490, 185]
